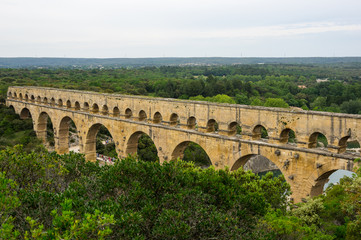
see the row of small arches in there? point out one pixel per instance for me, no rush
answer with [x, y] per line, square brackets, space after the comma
[212, 126]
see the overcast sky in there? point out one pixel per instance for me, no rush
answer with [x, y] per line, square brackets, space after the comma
[180, 28]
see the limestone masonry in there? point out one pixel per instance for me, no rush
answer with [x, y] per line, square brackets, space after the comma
[172, 124]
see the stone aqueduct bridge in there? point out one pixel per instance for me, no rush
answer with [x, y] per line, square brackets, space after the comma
[172, 124]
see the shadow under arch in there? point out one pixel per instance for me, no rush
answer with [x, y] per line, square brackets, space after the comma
[317, 139]
[25, 113]
[191, 151]
[157, 118]
[318, 188]
[45, 129]
[288, 136]
[141, 144]
[90, 146]
[66, 126]
[258, 164]
[259, 132]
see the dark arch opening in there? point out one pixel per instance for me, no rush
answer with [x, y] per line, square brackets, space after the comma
[45, 100]
[11, 107]
[105, 110]
[128, 113]
[142, 116]
[45, 130]
[86, 106]
[317, 140]
[15, 95]
[95, 108]
[157, 118]
[77, 105]
[116, 112]
[52, 102]
[174, 119]
[32, 98]
[9, 95]
[68, 104]
[26, 97]
[259, 132]
[141, 144]
[60, 103]
[191, 123]
[20, 96]
[38, 100]
[328, 178]
[212, 126]
[234, 128]
[192, 152]
[288, 136]
[99, 144]
[25, 113]
[353, 146]
[68, 136]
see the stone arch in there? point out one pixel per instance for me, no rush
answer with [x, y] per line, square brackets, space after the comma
[191, 123]
[68, 104]
[128, 113]
[316, 138]
[38, 99]
[179, 150]
[32, 98]
[45, 100]
[142, 116]
[257, 163]
[77, 106]
[60, 102]
[157, 118]
[133, 144]
[259, 132]
[287, 136]
[95, 108]
[20, 96]
[212, 126]
[86, 106]
[232, 128]
[42, 126]
[52, 102]
[12, 108]
[343, 144]
[317, 189]
[105, 110]
[174, 119]
[116, 112]
[9, 95]
[14, 95]
[63, 134]
[90, 142]
[26, 97]
[25, 113]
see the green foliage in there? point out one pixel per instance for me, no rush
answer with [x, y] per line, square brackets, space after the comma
[276, 102]
[134, 199]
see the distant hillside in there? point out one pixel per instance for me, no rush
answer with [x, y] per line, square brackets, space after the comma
[143, 62]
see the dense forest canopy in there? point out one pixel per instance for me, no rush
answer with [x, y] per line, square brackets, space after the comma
[325, 87]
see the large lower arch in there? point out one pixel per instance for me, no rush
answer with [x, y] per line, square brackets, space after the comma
[134, 146]
[141, 144]
[63, 134]
[90, 149]
[256, 163]
[44, 122]
[200, 156]
[25, 113]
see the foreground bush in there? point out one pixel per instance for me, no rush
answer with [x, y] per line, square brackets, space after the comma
[62, 196]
